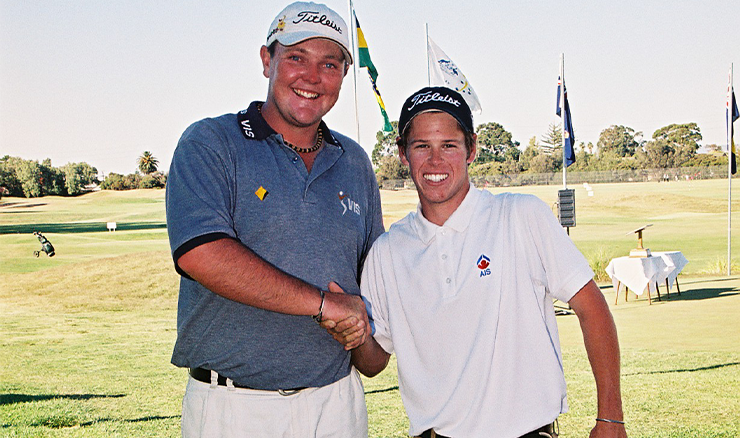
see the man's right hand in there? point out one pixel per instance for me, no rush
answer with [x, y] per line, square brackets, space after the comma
[345, 317]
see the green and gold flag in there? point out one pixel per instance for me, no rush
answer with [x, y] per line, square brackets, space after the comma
[366, 62]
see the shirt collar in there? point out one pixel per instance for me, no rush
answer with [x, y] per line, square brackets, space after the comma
[458, 221]
[251, 121]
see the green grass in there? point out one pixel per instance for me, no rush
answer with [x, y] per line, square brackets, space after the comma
[680, 362]
[86, 336]
[77, 228]
[86, 350]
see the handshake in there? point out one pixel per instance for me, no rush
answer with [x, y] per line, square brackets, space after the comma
[345, 318]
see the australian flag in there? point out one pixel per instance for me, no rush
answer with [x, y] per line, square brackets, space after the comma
[569, 156]
[731, 117]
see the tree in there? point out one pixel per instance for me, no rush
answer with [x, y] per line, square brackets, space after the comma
[154, 180]
[30, 179]
[611, 160]
[390, 167]
[494, 143]
[28, 174]
[621, 140]
[72, 181]
[114, 181]
[683, 139]
[52, 179]
[485, 169]
[584, 158]
[532, 150]
[511, 165]
[686, 134]
[534, 160]
[385, 144]
[706, 160]
[553, 140]
[132, 180]
[8, 179]
[147, 163]
[544, 163]
[77, 176]
[657, 154]
[715, 149]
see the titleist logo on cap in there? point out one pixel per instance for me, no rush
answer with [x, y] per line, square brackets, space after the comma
[432, 97]
[314, 17]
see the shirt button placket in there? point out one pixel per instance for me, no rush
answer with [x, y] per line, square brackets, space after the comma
[446, 271]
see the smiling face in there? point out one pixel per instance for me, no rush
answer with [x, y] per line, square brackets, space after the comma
[305, 80]
[438, 161]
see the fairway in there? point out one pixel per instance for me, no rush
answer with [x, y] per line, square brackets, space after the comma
[87, 334]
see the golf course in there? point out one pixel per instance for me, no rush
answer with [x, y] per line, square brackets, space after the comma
[86, 335]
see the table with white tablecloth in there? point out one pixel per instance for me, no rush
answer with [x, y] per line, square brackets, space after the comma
[646, 273]
[675, 262]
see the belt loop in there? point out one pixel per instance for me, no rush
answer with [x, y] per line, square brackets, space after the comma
[214, 379]
[230, 384]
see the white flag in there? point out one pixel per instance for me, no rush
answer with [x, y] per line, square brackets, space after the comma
[444, 72]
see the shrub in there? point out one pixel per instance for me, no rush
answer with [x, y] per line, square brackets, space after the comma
[718, 266]
[598, 261]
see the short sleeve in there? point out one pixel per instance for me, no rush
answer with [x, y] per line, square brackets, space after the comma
[566, 270]
[199, 200]
[373, 289]
[374, 219]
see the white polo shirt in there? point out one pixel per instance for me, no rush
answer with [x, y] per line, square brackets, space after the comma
[467, 309]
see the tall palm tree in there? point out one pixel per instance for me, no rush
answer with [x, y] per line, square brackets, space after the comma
[147, 163]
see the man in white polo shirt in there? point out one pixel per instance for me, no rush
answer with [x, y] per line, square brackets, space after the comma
[461, 290]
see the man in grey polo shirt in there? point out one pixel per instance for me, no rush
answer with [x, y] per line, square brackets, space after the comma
[270, 216]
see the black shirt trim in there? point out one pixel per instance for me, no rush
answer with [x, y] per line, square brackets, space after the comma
[254, 126]
[193, 243]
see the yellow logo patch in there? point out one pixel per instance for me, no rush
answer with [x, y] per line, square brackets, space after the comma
[261, 193]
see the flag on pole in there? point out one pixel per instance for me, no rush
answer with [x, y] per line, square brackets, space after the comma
[732, 114]
[366, 62]
[568, 137]
[444, 72]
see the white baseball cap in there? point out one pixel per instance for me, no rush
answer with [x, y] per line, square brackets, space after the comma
[301, 21]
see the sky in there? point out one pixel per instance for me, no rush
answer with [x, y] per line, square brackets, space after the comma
[103, 81]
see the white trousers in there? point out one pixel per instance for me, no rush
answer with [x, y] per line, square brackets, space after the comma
[337, 411]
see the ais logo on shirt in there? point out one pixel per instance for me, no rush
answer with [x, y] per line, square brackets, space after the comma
[483, 264]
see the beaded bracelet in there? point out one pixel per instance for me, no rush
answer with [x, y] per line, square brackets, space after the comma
[319, 315]
[606, 420]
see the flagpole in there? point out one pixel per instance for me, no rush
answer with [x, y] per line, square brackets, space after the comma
[728, 115]
[353, 32]
[429, 73]
[562, 117]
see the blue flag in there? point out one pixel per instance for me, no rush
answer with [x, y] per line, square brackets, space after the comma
[569, 156]
[731, 106]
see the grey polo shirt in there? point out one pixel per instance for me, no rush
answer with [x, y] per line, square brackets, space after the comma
[233, 177]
